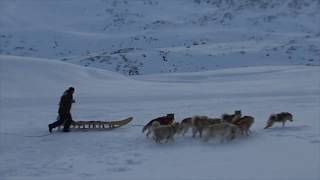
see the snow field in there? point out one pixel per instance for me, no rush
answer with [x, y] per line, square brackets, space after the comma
[28, 152]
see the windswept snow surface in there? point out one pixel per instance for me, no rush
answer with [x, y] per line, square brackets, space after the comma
[31, 88]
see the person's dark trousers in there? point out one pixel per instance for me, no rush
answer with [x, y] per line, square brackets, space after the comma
[57, 123]
[67, 121]
[63, 118]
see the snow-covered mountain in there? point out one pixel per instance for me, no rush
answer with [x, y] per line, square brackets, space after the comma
[154, 36]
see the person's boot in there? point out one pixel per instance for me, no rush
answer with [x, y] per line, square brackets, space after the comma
[50, 128]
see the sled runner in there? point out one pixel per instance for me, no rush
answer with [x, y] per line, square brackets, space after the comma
[98, 124]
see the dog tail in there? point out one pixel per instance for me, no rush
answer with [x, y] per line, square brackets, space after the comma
[147, 126]
[144, 128]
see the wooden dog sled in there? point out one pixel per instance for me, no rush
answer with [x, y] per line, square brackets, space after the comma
[98, 125]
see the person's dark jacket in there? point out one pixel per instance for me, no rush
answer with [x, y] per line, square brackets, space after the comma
[65, 103]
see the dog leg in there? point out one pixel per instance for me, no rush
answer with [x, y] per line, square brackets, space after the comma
[158, 140]
[200, 132]
[221, 139]
[167, 140]
[148, 133]
[247, 131]
[185, 131]
[206, 138]
[172, 139]
[229, 137]
[194, 132]
[225, 136]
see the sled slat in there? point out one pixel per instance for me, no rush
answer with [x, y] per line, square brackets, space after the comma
[99, 124]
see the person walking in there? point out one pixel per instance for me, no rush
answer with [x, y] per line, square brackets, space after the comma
[64, 117]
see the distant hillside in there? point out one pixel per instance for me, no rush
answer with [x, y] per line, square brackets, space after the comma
[158, 36]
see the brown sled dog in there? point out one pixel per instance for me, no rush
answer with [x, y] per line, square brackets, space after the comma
[280, 117]
[244, 124]
[186, 124]
[163, 120]
[225, 131]
[197, 123]
[231, 117]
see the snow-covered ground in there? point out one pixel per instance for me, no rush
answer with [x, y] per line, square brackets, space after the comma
[154, 36]
[31, 87]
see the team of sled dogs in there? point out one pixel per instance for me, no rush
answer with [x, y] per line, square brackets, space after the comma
[227, 128]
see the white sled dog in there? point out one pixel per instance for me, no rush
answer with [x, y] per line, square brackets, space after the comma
[197, 123]
[280, 117]
[164, 133]
[225, 131]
